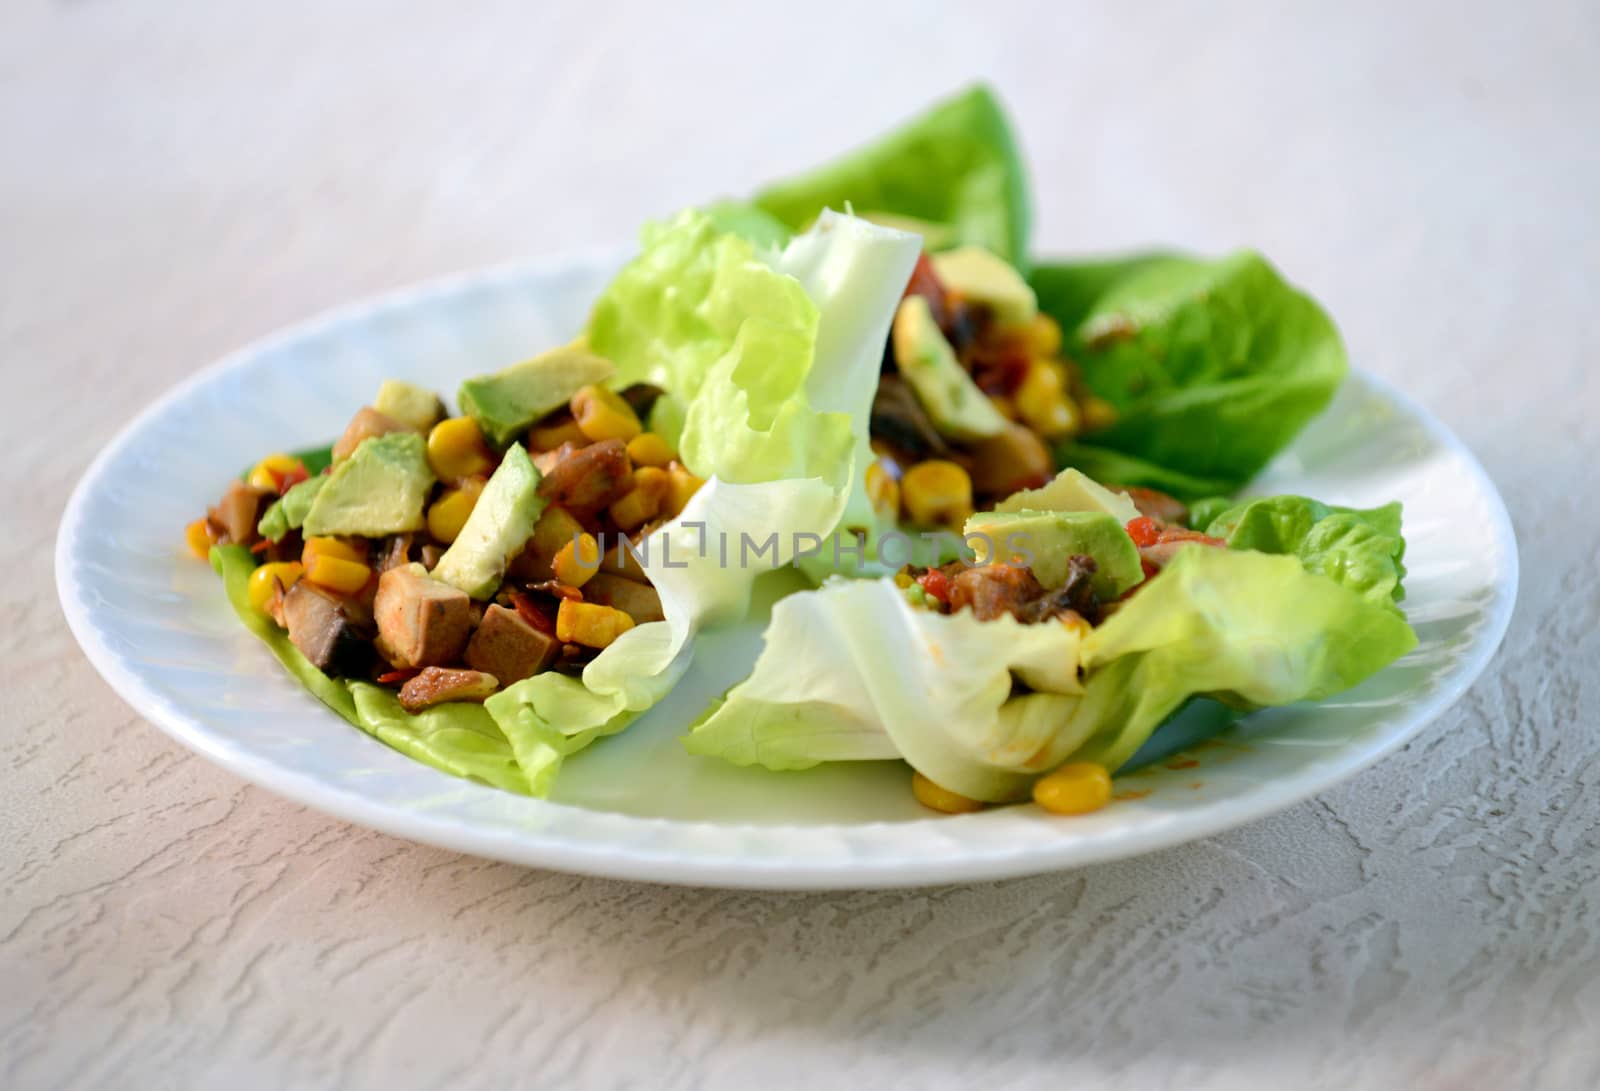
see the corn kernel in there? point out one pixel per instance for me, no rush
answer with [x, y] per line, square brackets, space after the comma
[602, 414]
[448, 514]
[935, 798]
[681, 487]
[937, 493]
[330, 547]
[550, 436]
[1042, 403]
[1004, 405]
[1075, 788]
[589, 624]
[649, 449]
[577, 560]
[456, 449]
[338, 574]
[883, 490]
[265, 581]
[273, 469]
[1098, 413]
[200, 537]
[641, 503]
[1043, 335]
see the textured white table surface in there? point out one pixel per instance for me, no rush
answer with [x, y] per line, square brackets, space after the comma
[178, 178]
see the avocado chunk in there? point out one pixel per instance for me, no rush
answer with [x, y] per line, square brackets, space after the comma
[1051, 538]
[289, 511]
[506, 403]
[1071, 490]
[378, 490]
[974, 274]
[413, 406]
[500, 525]
[954, 403]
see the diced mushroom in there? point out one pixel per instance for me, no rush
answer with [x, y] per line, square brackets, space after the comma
[436, 685]
[1015, 459]
[638, 600]
[422, 622]
[509, 648]
[367, 423]
[396, 552]
[236, 513]
[322, 626]
[585, 478]
[994, 589]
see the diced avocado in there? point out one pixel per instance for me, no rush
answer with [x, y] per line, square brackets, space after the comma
[380, 489]
[507, 402]
[411, 405]
[977, 275]
[1072, 491]
[289, 510]
[500, 524]
[1051, 538]
[953, 401]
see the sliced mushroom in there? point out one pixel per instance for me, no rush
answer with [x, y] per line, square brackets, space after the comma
[436, 685]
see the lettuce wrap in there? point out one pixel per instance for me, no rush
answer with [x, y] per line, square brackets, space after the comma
[854, 672]
[767, 359]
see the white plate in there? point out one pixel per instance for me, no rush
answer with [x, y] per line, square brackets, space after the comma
[153, 620]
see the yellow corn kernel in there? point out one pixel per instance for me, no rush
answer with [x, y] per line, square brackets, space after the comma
[937, 493]
[200, 538]
[649, 449]
[338, 574]
[1043, 335]
[589, 624]
[641, 503]
[602, 414]
[329, 547]
[935, 798]
[681, 487]
[577, 560]
[1075, 788]
[1042, 403]
[456, 449]
[882, 489]
[550, 436]
[266, 473]
[448, 514]
[1098, 413]
[265, 580]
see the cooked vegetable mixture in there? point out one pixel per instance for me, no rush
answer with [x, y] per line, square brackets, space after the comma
[494, 590]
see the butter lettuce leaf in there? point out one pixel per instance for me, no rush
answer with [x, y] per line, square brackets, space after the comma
[853, 672]
[458, 738]
[772, 358]
[1359, 549]
[954, 173]
[1248, 628]
[1213, 366]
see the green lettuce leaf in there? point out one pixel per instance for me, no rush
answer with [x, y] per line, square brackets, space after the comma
[1361, 550]
[773, 358]
[1213, 366]
[854, 672]
[955, 169]
[1248, 628]
[458, 738]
